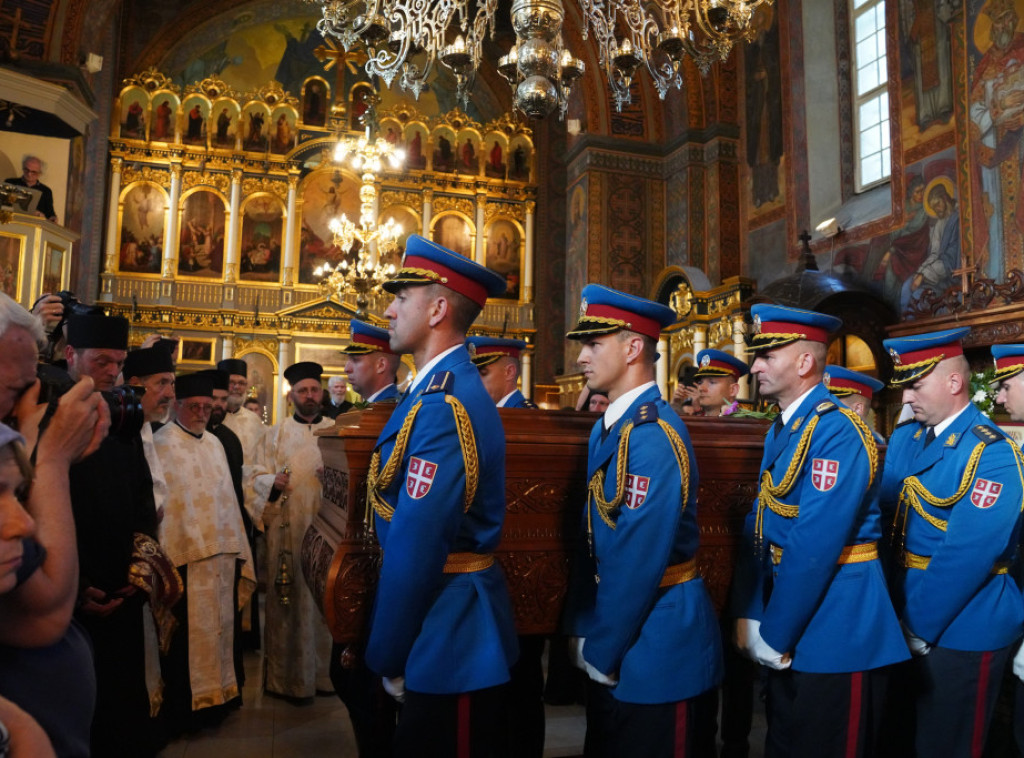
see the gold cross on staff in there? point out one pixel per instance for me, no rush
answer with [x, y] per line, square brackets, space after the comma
[330, 54]
[964, 274]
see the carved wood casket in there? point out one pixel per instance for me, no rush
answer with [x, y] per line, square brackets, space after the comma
[545, 491]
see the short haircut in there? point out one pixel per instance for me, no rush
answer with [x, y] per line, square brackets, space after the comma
[13, 314]
[464, 311]
[650, 349]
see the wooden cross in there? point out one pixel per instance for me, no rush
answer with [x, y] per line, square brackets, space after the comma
[16, 25]
[964, 273]
[330, 54]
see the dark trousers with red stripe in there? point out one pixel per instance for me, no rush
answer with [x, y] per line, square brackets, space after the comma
[824, 715]
[467, 725]
[626, 730]
[955, 693]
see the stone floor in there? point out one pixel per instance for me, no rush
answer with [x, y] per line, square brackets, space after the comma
[267, 727]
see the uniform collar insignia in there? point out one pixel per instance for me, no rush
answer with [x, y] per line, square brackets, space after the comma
[796, 424]
[952, 439]
[918, 433]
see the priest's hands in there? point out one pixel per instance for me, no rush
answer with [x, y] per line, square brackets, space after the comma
[282, 480]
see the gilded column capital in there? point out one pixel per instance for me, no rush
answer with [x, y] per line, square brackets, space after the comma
[116, 164]
[236, 176]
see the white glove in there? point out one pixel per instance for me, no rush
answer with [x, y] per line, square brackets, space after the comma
[917, 645]
[1018, 664]
[759, 650]
[395, 687]
[576, 656]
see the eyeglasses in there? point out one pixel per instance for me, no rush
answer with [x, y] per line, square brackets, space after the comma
[198, 408]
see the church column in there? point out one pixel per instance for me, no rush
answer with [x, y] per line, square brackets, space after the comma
[227, 345]
[171, 235]
[661, 367]
[527, 290]
[428, 211]
[232, 243]
[700, 338]
[479, 252]
[285, 358]
[527, 374]
[289, 232]
[113, 202]
[739, 348]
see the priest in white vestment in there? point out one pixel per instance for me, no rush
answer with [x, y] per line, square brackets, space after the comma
[203, 535]
[296, 639]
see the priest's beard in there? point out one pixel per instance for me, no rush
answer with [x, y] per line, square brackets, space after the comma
[234, 403]
[217, 417]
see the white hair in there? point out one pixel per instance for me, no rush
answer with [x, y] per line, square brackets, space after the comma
[12, 314]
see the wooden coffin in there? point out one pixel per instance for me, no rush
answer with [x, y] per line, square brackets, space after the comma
[545, 492]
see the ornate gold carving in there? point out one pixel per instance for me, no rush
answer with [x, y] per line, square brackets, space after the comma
[681, 342]
[251, 185]
[504, 210]
[460, 204]
[243, 345]
[273, 94]
[681, 301]
[145, 174]
[116, 164]
[456, 119]
[151, 80]
[410, 199]
[720, 331]
[213, 87]
[197, 179]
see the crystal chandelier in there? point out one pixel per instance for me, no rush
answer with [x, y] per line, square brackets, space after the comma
[377, 244]
[404, 39]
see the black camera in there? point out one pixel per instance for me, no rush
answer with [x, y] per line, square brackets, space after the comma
[125, 403]
[72, 306]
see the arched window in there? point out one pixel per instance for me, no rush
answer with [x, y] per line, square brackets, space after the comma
[873, 151]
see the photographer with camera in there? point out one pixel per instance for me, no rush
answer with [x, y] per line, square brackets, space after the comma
[121, 564]
[37, 645]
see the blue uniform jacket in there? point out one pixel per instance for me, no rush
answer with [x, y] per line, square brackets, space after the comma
[446, 633]
[388, 393]
[518, 400]
[663, 644]
[957, 602]
[831, 618]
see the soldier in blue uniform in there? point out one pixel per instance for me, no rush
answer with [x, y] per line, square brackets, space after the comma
[497, 359]
[953, 482]
[647, 633]
[442, 632]
[1009, 360]
[718, 382]
[810, 596]
[855, 390]
[372, 365]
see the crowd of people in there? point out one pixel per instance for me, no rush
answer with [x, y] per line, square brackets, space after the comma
[129, 551]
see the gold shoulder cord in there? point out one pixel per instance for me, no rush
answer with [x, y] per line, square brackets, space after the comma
[770, 494]
[595, 494]
[914, 492]
[378, 481]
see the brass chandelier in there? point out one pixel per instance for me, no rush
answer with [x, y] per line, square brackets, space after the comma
[370, 265]
[405, 38]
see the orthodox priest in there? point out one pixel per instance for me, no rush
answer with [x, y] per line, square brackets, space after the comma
[204, 537]
[297, 641]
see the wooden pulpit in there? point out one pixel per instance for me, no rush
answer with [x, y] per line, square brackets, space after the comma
[545, 491]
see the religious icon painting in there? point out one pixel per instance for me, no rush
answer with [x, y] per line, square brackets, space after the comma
[196, 109]
[164, 116]
[495, 147]
[453, 231]
[134, 113]
[468, 158]
[519, 161]
[359, 103]
[256, 128]
[444, 150]
[224, 120]
[391, 131]
[326, 195]
[504, 254]
[141, 242]
[201, 236]
[416, 141]
[10, 265]
[53, 269]
[283, 134]
[262, 226]
[316, 96]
